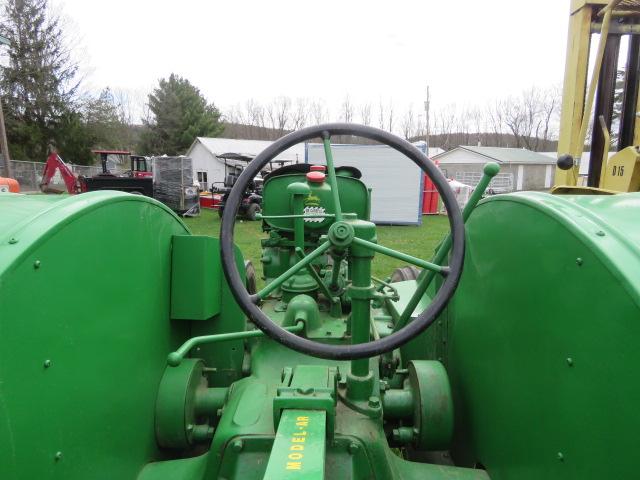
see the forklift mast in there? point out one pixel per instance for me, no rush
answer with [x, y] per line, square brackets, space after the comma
[612, 20]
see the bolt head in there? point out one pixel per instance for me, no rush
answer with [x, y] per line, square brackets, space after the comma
[47, 363]
[237, 445]
[374, 402]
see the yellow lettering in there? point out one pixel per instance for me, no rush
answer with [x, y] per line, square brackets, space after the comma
[303, 419]
[299, 439]
[302, 424]
[294, 465]
[295, 456]
[297, 447]
[300, 434]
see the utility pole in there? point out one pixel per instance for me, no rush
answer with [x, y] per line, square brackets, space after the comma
[4, 145]
[427, 105]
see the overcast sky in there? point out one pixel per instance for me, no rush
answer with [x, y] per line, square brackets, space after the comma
[469, 52]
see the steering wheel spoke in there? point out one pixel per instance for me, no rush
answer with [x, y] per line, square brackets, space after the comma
[418, 262]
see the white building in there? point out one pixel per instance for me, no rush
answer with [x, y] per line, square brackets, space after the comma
[520, 169]
[215, 158]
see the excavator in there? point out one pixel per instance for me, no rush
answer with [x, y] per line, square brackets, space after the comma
[137, 180]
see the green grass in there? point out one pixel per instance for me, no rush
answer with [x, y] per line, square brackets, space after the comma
[419, 241]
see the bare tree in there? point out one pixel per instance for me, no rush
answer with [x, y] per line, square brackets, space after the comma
[300, 114]
[408, 124]
[445, 120]
[478, 125]
[277, 113]
[495, 118]
[381, 118]
[390, 117]
[318, 112]
[365, 113]
[346, 110]
[529, 116]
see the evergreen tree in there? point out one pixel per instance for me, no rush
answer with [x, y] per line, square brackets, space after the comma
[180, 114]
[39, 83]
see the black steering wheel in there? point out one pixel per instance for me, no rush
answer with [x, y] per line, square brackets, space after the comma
[248, 302]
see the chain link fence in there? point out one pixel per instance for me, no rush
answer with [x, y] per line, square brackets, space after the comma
[29, 174]
[501, 183]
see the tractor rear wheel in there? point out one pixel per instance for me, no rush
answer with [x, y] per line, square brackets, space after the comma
[253, 209]
[408, 272]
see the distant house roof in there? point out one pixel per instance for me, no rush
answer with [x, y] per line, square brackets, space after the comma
[505, 155]
[226, 147]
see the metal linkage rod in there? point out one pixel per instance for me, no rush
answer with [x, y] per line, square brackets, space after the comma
[175, 358]
[305, 215]
[333, 181]
[264, 293]
[316, 277]
[401, 256]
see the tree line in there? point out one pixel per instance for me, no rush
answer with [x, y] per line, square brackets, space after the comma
[47, 107]
[529, 120]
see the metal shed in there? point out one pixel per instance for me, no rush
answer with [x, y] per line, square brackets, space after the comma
[520, 169]
[395, 181]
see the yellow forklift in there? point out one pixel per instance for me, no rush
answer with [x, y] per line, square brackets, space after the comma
[591, 106]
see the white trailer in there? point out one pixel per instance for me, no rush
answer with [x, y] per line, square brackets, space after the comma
[396, 182]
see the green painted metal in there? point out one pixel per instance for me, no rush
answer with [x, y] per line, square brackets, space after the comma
[540, 341]
[85, 322]
[353, 194]
[530, 373]
[177, 409]
[299, 447]
[277, 282]
[85, 316]
[333, 182]
[400, 256]
[175, 358]
[194, 266]
[433, 406]
[298, 191]
[323, 287]
[425, 278]
[308, 387]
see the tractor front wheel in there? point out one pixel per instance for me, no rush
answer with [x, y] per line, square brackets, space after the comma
[402, 274]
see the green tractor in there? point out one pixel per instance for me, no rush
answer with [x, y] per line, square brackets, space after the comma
[161, 364]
